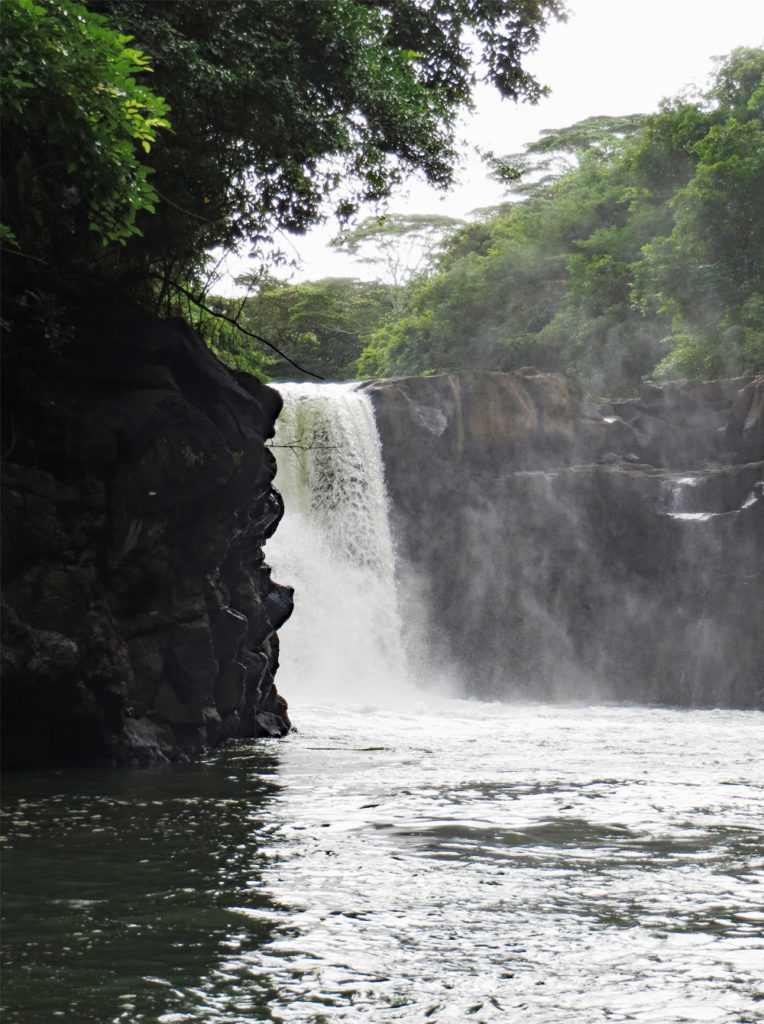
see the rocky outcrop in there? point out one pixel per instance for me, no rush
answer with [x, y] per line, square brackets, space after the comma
[139, 617]
[561, 550]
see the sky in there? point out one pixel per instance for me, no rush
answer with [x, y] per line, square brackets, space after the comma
[610, 57]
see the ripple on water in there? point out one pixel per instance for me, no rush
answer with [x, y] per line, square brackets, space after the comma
[513, 864]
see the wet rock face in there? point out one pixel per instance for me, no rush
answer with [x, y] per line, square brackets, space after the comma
[139, 618]
[565, 551]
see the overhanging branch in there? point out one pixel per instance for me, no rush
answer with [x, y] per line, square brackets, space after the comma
[234, 323]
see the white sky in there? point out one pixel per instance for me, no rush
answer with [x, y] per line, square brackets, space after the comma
[610, 57]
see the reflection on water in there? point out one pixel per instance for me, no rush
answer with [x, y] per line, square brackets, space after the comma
[462, 862]
[118, 888]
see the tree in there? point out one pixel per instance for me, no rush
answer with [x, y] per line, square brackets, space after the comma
[643, 254]
[280, 104]
[559, 150]
[400, 244]
[282, 111]
[708, 272]
[324, 325]
[77, 127]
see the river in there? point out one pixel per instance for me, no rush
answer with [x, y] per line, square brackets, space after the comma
[454, 862]
[408, 855]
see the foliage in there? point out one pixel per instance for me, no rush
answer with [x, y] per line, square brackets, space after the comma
[708, 273]
[399, 243]
[558, 150]
[76, 128]
[634, 245]
[598, 132]
[323, 325]
[280, 105]
[282, 111]
[217, 322]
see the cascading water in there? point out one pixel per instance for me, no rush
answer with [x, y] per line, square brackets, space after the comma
[687, 498]
[334, 546]
[434, 860]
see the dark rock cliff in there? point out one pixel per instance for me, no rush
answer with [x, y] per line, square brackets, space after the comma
[139, 618]
[565, 551]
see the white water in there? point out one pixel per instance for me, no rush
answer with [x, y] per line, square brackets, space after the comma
[334, 546]
[682, 500]
[400, 859]
[451, 860]
[503, 864]
[519, 864]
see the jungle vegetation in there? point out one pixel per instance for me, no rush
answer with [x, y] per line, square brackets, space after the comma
[138, 136]
[633, 247]
[629, 247]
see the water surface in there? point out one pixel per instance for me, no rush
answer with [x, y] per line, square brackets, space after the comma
[455, 862]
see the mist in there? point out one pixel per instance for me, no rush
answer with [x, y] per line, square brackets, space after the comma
[570, 552]
[352, 639]
[504, 541]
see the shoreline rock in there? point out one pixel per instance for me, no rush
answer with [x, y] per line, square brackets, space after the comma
[139, 616]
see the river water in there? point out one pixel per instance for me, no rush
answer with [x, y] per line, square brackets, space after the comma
[407, 856]
[455, 861]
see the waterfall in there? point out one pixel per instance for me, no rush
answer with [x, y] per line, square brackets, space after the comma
[334, 546]
[682, 500]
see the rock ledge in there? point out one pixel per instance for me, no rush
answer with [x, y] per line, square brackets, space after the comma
[139, 617]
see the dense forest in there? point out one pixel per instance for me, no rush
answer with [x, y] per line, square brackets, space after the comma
[140, 138]
[629, 247]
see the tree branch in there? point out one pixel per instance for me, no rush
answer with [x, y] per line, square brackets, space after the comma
[234, 323]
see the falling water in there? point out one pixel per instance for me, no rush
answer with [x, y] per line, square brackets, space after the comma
[334, 546]
[396, 860]
[682, 500]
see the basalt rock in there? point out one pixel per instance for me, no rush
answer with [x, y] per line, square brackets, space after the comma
[566, 551]
[136, 497]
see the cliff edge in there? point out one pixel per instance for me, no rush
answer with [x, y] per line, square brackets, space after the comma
[565, 551]
[139, 617]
